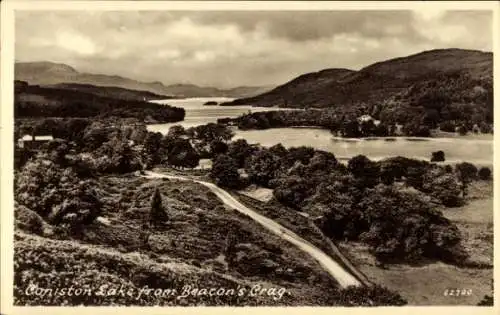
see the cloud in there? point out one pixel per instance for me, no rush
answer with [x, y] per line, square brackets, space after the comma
[75, 42]
[238, 48]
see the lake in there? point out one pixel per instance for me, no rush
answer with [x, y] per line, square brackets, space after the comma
[456, 149]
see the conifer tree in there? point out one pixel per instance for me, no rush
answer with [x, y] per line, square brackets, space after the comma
[158, 214]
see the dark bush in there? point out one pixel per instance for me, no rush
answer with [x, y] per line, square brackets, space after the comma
[437, 156]
[158, 215]
[370, 296]
[447, 126]
[484, 173]
[225, 172]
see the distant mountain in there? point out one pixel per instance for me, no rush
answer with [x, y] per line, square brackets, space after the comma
[191, 90]
[378, 82]
[49, 73]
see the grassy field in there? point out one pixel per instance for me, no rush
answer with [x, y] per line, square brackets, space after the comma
[190, 249]
[425, 284]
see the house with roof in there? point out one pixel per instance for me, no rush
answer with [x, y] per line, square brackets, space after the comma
[33, 142]
[366, 118]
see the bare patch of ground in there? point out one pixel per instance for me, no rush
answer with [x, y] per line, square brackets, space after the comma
[259, 193]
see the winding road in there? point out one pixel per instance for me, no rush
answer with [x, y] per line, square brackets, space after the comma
[343, 277]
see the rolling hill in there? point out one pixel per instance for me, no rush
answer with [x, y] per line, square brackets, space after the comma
[379, 82]
[110, 91]
[76, 100]
[49, 73]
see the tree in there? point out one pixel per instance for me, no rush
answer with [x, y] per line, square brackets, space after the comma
[437, 156]
[119, 157]
[240, 150]
[158, 215]
[139, 133]
[262, 167]
[386, 177]
[95, 135]
[415, 177]
[447, 126]
[365, 171]
[466, 172]
[57, 194]
[218, 147]
[212, 131]
[71, 129]
[368, 128]
[225, 172]
[176, 131]
[230, 245]
[484, 173]
[322, 160]
[403, 225]
[350, 129]
[57, 150]
[203, 136]
[462, 130]
[292, 190]
[431, 118]
[415, 130]
[294, 154]
[444, 188]
[382, 130]
[182, 154]
[152, 149]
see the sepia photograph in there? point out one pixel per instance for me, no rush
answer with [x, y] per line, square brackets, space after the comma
[249, 155]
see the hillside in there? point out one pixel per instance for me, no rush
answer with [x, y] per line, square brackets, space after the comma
[203, 245]
[110, 91]
[333, 88]
[49, 73]
[89, 101]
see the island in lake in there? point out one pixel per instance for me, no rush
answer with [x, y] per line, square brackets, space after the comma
[210, 103]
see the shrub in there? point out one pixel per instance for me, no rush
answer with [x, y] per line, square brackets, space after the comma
[28, 220]
[447, 126]
[466, 172]
[484, 173]
[448, 169]
[56, 194]
[291, 191]
[181, 153]
[437, 156]
[445, 188]
[158, 214]
[225, 172]
[486, 301]
[240, 150]
[462, 130]
[402, 225]
[365, 171]
[386, 177]
[262, 167]
[375, 295]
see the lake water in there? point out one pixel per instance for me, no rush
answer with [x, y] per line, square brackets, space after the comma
[199, 114]
[477, 151]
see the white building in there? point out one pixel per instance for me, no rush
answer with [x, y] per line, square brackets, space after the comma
[32, 142]
[365, 118]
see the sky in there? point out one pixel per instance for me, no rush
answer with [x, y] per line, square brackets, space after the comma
[228, 49]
